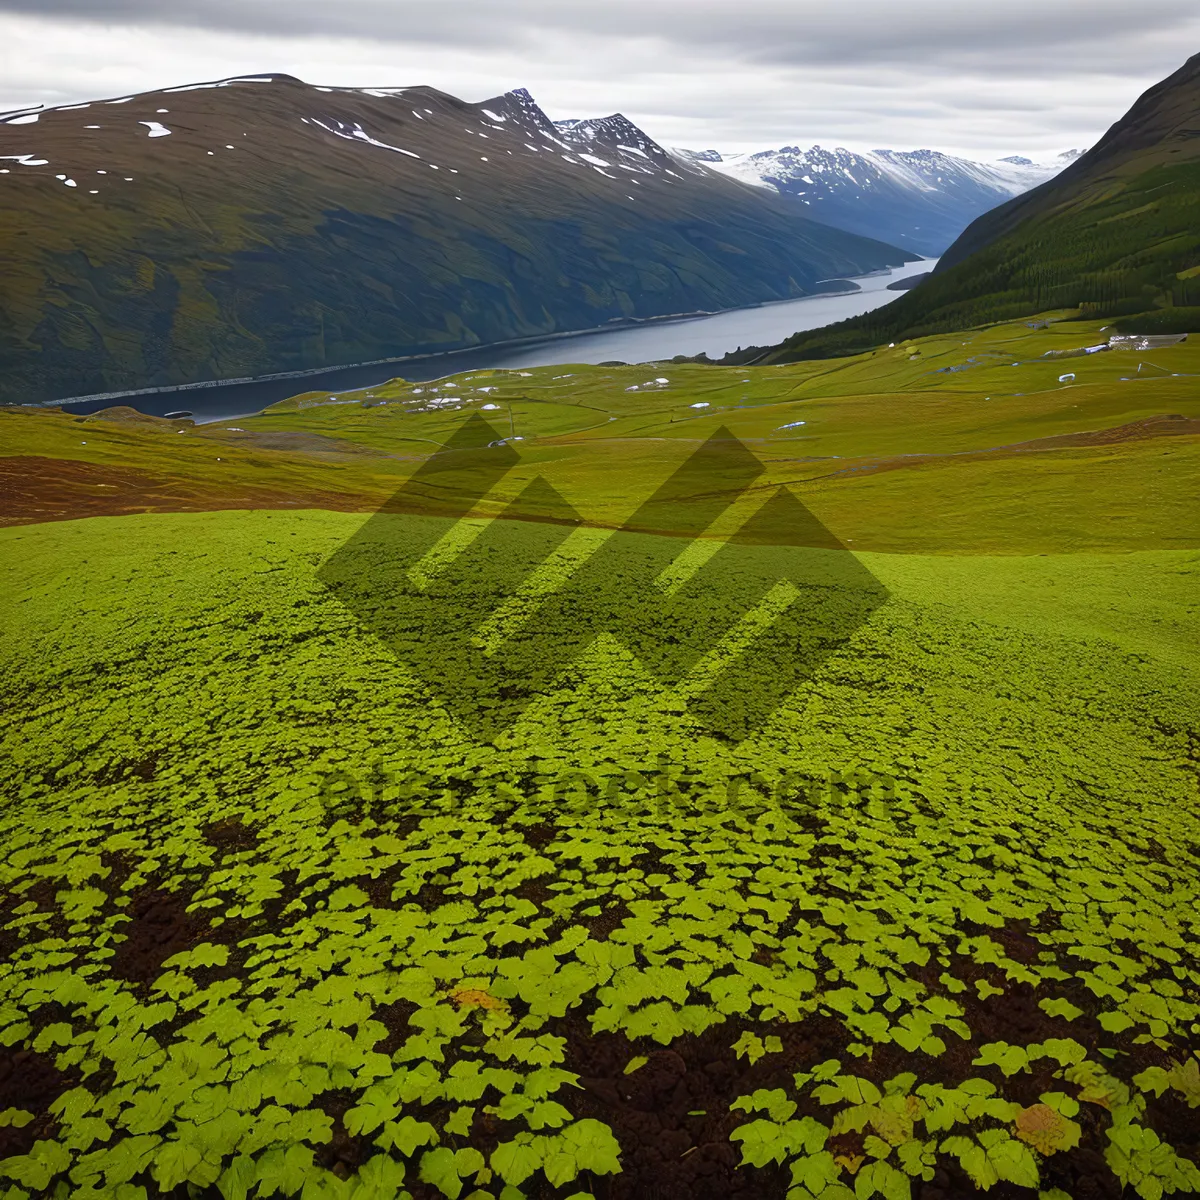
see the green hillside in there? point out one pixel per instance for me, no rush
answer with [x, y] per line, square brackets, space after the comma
[1116, 235]
[296, 901]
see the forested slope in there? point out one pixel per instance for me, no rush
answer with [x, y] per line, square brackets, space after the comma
[1115, 235]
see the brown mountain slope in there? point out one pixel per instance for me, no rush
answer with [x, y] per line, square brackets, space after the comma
[260, 225]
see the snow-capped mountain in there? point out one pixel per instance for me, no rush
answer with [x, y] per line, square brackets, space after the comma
[604, 144]
[618, 138]
[921, 199]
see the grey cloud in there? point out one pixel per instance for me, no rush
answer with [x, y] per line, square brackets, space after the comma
[1010, 76]
[1009, 36]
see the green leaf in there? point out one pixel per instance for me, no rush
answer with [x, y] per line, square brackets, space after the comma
[858, 1091]
[548, 1114]
[517, 1160]
[1014, 1163]
[459, 1122]
[1185, 1079]
[596, 1149]
[1060, 1008]
[379, 1178]
[36, 1169]
[149, 1112]
[917, 1157]
[407, 1134]
[979, 1166]
[174, 1163]
[537, 1085]
[446, 1168]
[284, 1170]
[1065, 1051]
[815, 1171]
[238, 1178]
[749, 1046]
[884, 1179]
[774, 1103]
[762, 1142]
[1153, 1079]
[368, 1116]
[1010, 1059]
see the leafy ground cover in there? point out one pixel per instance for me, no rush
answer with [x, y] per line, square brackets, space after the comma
[278, 920]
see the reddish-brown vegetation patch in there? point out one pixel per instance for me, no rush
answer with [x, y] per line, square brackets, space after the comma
[34, 488]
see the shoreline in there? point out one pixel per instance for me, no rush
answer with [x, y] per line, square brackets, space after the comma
[614, 325]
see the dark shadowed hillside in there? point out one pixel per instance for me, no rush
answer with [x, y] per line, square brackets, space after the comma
[1117, 235]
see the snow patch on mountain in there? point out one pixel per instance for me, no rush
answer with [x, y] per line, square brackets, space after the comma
[920, 170]
[917, 198]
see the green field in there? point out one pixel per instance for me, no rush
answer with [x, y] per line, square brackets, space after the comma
[822, 828]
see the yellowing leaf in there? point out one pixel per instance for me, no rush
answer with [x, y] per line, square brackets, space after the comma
[894, 1119]
[1045, 1130]
[477, 998]
[1185, 1079]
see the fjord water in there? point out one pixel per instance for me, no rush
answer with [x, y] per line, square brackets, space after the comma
[715, 335]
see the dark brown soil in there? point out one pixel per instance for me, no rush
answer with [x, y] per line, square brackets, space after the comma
[671, 1117]
[394, 1018]
[160, 926]
[673, 1122]
[29, 1081]
[541, 835]
[343, 1153]
[230, 835]
[612, 916]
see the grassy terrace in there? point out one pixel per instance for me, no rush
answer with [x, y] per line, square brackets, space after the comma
[354, 850]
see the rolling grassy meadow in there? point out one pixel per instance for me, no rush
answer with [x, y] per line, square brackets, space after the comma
[697, 782]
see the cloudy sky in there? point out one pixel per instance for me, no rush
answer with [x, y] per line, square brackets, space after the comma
[979, 77]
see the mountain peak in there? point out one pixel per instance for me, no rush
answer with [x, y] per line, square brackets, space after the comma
[617, 137]
[522, 109]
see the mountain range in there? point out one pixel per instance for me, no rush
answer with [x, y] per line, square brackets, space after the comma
[257, 225]
[920, 199]
[1115, 235]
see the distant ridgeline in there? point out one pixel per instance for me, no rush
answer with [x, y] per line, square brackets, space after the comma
[1117, 234]
[261, 225]
[919, 199]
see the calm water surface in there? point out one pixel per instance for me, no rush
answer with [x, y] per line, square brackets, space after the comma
[715, 336]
